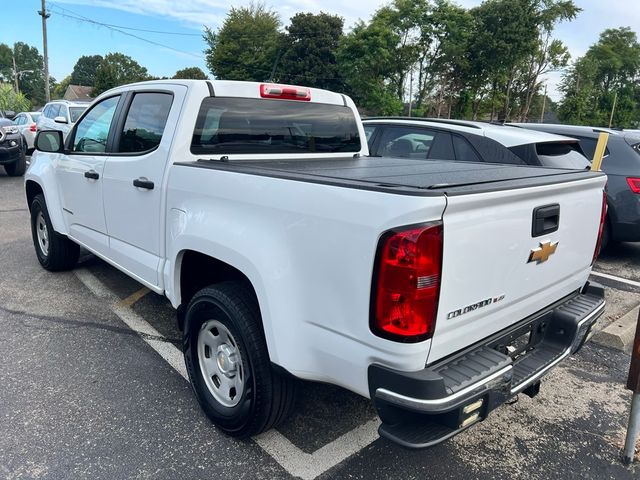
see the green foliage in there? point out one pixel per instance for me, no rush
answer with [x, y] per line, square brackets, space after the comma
[84, 71]
[191, 73]
[10, 100]
[308, 51]
[117, 69]
[610, 67]
[28, 61]
[366, 60]
[61, 88]
[246, 46]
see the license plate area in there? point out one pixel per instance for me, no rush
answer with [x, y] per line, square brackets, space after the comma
[524, 338]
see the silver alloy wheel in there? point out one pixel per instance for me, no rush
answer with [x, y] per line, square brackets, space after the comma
[220, 363]
[42, 234]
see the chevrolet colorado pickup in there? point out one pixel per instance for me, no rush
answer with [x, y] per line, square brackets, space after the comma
[439, 290]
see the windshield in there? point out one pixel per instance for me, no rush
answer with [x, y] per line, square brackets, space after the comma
[75, 113]
[35, 116]
[248, 125]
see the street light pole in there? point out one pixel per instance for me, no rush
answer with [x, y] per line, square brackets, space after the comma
[43, 13]
[15, 73]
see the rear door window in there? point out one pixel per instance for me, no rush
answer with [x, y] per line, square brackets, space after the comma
[415, 142]
[145, 122]
[250, 126]
[561, 155]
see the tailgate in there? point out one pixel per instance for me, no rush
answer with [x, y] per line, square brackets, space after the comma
[488, 282]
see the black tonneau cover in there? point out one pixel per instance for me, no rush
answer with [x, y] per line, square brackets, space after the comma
[401, 175]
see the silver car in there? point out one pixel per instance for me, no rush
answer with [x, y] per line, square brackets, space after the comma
[60, 115]
[26, 122]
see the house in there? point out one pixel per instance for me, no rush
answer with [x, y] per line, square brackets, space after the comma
[78, 93]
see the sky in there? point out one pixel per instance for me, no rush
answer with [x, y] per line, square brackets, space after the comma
[181, 22]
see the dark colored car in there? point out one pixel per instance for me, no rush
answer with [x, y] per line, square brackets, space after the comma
[622, 166]
[12, 149]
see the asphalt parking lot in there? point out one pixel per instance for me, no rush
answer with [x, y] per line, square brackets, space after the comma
[92, 386]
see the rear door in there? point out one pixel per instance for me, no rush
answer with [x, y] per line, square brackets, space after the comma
[133, 179]
[500, 266]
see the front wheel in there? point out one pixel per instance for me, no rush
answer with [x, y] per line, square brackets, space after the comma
[55, 252]
[228, 363]
[18, 168]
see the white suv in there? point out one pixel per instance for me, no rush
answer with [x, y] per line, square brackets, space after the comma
[60, 115]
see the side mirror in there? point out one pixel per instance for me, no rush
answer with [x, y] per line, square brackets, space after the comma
[49, 141]
[60, 119]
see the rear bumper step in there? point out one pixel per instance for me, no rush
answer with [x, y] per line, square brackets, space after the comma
[421, 409]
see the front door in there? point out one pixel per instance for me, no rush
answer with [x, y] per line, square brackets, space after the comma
[133, 178]
[80, 172]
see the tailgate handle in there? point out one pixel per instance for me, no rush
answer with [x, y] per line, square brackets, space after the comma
[546, 219]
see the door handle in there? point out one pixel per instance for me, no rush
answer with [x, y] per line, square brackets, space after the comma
[143, 182]
[92, 174]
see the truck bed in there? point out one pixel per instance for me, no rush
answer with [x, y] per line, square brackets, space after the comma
[400, 175]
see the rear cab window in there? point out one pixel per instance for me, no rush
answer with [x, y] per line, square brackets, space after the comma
[248, 126]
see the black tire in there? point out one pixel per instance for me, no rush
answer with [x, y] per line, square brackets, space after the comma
[18, 168]
[268, 395]
[62, 253]
[606, 240]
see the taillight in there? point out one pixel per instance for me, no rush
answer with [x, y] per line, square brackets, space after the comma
[406, 283]
[603, 218]
[32, 128]
[285, 92]
[634, 184]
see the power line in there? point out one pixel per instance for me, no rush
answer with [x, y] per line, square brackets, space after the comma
[72, 15]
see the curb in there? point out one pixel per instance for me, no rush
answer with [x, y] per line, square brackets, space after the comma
[619, 335]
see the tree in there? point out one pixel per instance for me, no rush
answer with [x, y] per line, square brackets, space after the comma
[246, 46]
[10, 100]
[308, 52]
[610, 67]
[28, 61]
[191, 73]
[117, 69]
[366, 60]
[84, 71]
[61, 88]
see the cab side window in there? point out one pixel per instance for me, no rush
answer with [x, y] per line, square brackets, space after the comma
[145, 122]
[93, 131]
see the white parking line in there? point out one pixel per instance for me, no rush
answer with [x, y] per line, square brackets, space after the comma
[617, 279]
[295, 461]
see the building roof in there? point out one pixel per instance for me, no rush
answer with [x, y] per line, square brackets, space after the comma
[78, 92]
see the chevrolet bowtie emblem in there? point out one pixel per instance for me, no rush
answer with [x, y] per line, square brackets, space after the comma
[542, 253]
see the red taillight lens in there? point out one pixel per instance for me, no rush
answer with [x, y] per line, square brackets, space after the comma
[284, 92]
[32, 128]
[406, 283]
[603, 218]
[634, 184]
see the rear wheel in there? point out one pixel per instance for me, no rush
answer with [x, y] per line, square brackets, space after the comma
[55, 252]
[228, 362]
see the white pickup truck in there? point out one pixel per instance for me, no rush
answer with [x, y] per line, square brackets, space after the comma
[437, 289]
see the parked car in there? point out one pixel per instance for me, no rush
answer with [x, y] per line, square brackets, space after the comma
[12, 149]
[60, 115]
[622, 165]
[469, 141]
[438, 289]
[26, 122]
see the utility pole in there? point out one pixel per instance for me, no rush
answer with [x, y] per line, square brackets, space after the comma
[43, 13]
[544, 103]
[410, 90]
[15, 73]
[613, 109]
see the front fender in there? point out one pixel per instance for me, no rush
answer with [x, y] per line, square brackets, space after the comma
[42, 172]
